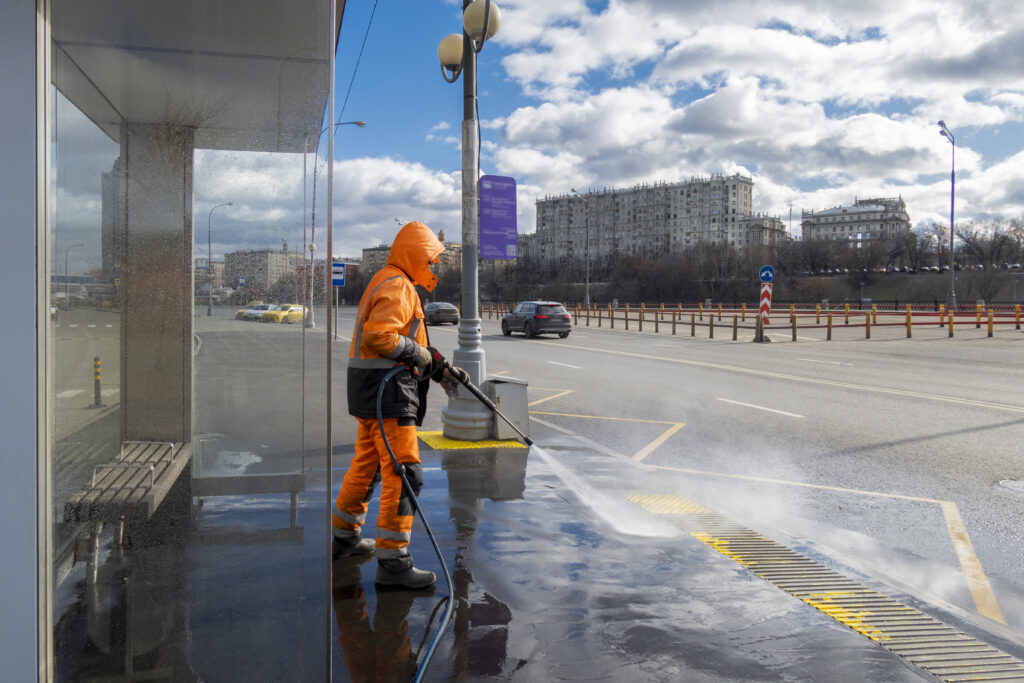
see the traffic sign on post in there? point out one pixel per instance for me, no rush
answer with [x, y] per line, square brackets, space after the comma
[338, 274]
[767, 273]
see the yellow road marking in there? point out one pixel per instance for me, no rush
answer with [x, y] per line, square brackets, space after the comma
[977, 582]
[643, 452]
[797, 378]
[438, 441]
[646, 450]
[558, 395]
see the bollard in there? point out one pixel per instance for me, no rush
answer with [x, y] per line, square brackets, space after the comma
[674, 315]
[829, 336]
[817, 314]
[942, 315]
[977, 319]
[735, 326]
[874, 314]
[1016, 314]
[693, 325]
[661, 313]
[700, 309]
[611, 316]
[910, 321]
[743, 312]
[711, 327]
[792, 321]
[640, 315]
[97, 400]
[599, 317]
[991, 322]
[719, 312]
[588, 315]
[792, 310]
[867, 325]
[951, 323]
[847, 307]
[625, 315]
[656, 323]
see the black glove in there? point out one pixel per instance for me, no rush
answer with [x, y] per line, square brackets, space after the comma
[438, 364]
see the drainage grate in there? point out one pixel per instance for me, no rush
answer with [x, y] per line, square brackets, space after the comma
[939, 649]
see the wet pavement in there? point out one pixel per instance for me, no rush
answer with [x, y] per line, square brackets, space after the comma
[557, 576]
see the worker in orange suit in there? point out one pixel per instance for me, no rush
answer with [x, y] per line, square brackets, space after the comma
[390, 330]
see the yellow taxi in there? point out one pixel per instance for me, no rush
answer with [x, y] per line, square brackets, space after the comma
[240, 313]
[284, 313]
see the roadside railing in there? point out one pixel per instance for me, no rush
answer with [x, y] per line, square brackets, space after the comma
[676, 318]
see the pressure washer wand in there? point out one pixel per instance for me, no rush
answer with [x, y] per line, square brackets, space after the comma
[459, 375]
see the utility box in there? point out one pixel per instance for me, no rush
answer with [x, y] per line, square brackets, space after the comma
[509, 394]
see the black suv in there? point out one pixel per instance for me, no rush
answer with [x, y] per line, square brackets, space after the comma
[537, 317]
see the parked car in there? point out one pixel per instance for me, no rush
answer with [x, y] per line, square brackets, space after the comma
[284, 313]
[253, 312]
[437, 312]
[537, 317]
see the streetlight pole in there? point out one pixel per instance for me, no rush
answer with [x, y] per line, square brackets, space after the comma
[209, 260]
[310, 321]
[67, 283]
[586, 223]
[948, 134]
[464, 417]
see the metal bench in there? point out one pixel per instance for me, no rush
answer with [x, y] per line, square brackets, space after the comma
[132, 486]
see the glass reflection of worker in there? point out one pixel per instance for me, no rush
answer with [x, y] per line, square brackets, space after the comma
[389, 330]
[382, 652]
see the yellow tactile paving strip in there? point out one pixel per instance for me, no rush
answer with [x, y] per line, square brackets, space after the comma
[941, 650]
[439, 442]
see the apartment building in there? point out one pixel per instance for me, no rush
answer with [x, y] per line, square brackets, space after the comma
[259, 268]
[875, 219]
[648, 221]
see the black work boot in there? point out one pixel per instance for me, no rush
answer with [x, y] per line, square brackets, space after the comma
[398, 571]
[353, 545]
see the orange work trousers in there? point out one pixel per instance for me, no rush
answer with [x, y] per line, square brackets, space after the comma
[371, 464]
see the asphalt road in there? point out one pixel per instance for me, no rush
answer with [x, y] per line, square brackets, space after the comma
[885, 454]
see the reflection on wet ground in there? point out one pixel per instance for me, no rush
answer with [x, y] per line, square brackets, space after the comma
[234, 587]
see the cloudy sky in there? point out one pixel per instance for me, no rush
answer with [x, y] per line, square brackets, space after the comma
[820, 101]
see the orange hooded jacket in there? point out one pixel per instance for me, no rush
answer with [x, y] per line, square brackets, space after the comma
[389, 327]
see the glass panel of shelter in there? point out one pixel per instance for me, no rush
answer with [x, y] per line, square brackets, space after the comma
[186, 447]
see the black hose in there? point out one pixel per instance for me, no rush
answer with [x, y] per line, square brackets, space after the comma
[400, 471]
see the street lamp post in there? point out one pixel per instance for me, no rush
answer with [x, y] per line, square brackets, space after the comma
[464, 417]
[209, 260]
[67, 282]
[310, 320]
[586, 223]
[948, 134]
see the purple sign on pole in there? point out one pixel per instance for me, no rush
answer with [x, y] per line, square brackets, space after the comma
[498, 234]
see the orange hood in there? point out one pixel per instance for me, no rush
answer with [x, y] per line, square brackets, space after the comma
[414, 249]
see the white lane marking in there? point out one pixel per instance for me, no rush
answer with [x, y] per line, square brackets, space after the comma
[668, 346]
[73, 325]
[109, 325]
[70, 393]
[751, 405]
[566, 365]
[828, 362]
[91, 326]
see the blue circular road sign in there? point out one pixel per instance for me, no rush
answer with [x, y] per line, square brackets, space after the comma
[767, 273]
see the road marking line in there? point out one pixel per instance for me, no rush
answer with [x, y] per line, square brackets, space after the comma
[970, 565]
[751, 405]
[649, 448]
[601, 417]
[797, 378]
[977, 582]
[73, 325]
[827, 362]
[90, 325]
[565, 365]
[558, 395]
[70, 393]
